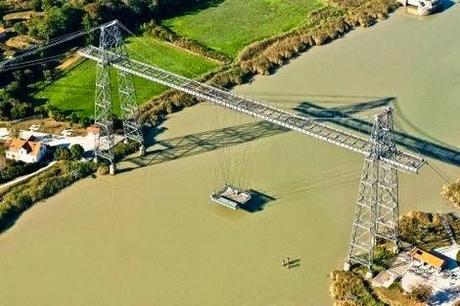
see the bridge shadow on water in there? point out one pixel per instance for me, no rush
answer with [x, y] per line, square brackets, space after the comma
[342, 116]
[193, 144]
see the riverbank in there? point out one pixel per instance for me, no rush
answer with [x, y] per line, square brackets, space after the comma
[150, 236]
[265, 56]
[426, 231]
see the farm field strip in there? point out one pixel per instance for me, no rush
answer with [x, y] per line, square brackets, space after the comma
[74, 91]
[230, 25]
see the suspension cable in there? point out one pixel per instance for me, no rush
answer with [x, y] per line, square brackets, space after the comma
[49, 44]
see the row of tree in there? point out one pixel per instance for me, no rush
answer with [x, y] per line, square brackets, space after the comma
[62, 16]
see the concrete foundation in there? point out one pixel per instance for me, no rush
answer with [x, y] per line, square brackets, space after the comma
[112, 169]
[141, 151]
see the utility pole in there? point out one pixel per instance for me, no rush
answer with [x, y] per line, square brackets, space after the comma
[377, 206]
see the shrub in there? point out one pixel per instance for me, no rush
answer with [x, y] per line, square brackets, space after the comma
[423, 229]
[76, 151]
[451, 193]
[122, 149]
[421, 292]
[12, 170]
[348, 286]
[62, 153]
[21, 28]
[163, 33]
[103, 169]
[383, 257]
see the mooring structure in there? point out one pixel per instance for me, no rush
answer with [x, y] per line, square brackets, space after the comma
[377, 204]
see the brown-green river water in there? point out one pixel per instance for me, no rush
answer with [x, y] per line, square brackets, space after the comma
[149, 236]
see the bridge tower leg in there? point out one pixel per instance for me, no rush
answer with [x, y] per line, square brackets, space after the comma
[132, 127]
[377, 206]
[103, 108]
[111, 39]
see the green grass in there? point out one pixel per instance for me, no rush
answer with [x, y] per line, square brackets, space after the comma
[74, 91]
[229, 25]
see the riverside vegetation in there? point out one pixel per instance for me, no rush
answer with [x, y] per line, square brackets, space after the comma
[265, 56]
[320, 25]
[68, 169]
[259, 45]
[421, 229]
[451, 192]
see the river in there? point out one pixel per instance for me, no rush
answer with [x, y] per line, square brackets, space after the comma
[149, 236]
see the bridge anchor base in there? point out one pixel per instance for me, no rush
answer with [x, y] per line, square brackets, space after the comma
[112, 169]
[141, 151]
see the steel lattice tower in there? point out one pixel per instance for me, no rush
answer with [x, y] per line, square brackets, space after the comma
[377, 207]
[112, 40]
[103, 107]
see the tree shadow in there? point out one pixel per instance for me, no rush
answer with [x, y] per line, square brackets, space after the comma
[341, 117]
[194, 144]
[440, 296]
[189, 8]
[258, 202]
[10, 221]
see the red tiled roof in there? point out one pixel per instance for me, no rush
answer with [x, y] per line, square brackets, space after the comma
[93, 129]
[31, 146]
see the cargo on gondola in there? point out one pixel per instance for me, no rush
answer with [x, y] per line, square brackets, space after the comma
[231, 197]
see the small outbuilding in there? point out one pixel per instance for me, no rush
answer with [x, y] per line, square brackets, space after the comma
[427, 258]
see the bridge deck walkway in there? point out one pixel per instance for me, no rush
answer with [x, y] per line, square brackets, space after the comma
[300, 123]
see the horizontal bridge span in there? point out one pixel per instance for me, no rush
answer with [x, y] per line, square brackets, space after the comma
[302, 124]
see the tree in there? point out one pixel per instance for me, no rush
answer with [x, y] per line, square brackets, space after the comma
[37, 5]
[3, 165]
[21, 28]
[57, 21]
[451, 192]
[421, 293]
[20, 110]
[48, 75]
[62, 153]
[77, 151]
[14, 132]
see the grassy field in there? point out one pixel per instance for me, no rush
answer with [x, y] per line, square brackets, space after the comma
[74, 91]
[229, 25]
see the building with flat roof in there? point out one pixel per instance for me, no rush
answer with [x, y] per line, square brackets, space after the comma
[427, 258]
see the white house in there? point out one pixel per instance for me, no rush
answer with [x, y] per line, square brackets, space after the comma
[28, 151]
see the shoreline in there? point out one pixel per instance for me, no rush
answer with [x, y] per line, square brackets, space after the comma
[266, 56]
